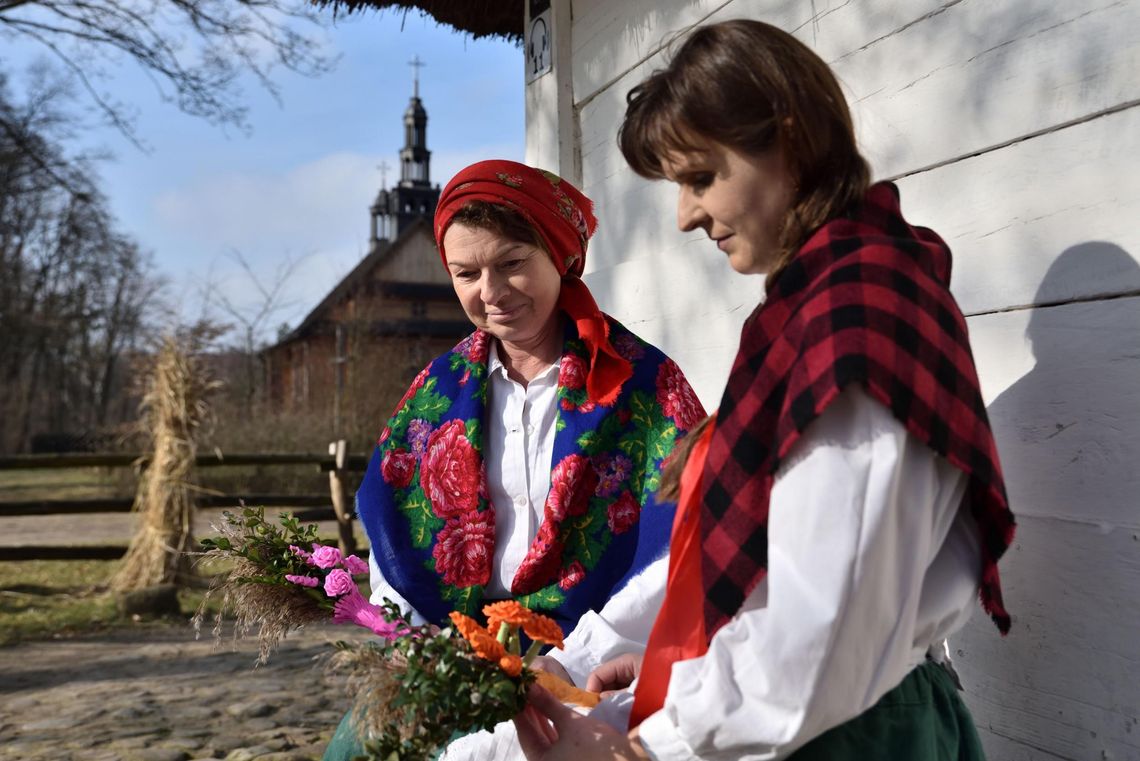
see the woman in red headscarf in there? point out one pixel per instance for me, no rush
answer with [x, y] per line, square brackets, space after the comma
[523, 464]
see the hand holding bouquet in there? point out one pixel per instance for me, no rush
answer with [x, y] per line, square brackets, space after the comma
[416, 688]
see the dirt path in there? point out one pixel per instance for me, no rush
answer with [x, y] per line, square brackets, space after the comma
[157, 694]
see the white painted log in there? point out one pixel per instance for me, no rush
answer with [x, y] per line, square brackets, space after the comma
[1063, 390]
[1009, 215]
[928, 82]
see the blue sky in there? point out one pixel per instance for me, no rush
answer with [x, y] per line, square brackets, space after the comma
[298, 186]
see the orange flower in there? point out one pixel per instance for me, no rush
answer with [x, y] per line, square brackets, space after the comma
[484, 645]
[511, 664]
[542, 629]
[509, 611]
[466, 625]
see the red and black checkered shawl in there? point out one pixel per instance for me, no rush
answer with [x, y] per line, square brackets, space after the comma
[866, 300]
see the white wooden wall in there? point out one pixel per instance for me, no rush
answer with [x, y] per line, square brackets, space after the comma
[1012, 128]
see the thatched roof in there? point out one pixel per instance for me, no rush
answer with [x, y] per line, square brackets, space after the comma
[479, 18]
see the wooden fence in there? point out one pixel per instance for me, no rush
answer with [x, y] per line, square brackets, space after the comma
[335, 504]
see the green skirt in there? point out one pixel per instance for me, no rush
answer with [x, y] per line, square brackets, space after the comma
[923, 719]
[344, 745]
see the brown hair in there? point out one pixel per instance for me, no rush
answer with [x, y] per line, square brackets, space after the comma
[754, 88]
[674, 465]
[499, 219]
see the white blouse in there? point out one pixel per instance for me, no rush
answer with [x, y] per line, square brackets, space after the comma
[871, 563]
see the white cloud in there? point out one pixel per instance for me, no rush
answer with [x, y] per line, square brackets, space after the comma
[315, 213]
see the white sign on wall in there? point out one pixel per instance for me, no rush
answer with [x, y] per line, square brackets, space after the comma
[538, 46]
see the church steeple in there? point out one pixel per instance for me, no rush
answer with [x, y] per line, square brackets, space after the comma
[413, 197]
[415, 158]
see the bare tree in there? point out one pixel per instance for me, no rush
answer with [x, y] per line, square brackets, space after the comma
[253, 318]
[195, 51]
[72, 289]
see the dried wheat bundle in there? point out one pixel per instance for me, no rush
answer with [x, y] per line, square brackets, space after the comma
[174, 407]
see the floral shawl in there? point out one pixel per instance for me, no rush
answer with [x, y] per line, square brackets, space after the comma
[424, 499]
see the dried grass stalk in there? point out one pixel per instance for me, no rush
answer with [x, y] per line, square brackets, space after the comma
[174, 408]
[373, 681]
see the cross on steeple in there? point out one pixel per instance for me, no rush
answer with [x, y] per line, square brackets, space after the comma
[383, 166]
[416, 65]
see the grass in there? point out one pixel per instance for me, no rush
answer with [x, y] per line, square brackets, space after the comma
[60, 598]
[65, 483]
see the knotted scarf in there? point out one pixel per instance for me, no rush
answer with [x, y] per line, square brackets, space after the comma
[564, 220]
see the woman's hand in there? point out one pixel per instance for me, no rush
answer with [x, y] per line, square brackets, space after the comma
[550, 666]
[549, 731]
[615, 674]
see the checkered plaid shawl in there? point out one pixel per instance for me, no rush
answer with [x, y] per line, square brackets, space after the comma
[866, 300]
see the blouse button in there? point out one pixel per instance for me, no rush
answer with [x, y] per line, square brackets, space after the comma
[520, 501]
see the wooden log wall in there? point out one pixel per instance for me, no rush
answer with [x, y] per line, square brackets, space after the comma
[1012, 128]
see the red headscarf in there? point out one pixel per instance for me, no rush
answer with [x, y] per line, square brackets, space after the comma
[564, 220]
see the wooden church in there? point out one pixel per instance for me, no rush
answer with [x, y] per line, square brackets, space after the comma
[354, 354]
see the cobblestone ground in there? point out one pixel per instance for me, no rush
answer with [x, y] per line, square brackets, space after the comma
[159, 695]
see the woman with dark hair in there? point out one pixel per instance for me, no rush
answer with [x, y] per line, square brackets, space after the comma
[523, 464]
[845, 505]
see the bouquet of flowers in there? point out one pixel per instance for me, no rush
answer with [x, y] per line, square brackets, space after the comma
[415, 688]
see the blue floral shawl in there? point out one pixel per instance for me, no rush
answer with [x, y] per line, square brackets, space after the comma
[424, 500]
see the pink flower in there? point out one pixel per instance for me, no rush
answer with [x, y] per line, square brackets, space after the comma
[474, 348]
[572, 483]
[355, 565]
[571, 575]
[352, 608]
[572, 372]
[305, 581]
[324, 556]
[398, 467]
[676, 396]
[338, 582]
[449, 471]
[623, 513]
[306, 556]
[464, 548]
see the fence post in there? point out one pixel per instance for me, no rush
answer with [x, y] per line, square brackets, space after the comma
[347, 540]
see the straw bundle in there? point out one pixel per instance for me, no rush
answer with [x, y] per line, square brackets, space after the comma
[173, 408]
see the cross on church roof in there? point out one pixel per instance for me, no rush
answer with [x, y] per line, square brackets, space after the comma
[416, 65]
[383, 167]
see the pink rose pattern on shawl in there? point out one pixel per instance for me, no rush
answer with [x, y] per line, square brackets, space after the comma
[623, 513]
[571, 575]
[465, 547]
[398, 467]
[572, 372]
[676, 396]
[449, 470]
[572, 483]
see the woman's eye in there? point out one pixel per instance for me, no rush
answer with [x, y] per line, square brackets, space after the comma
[701, 181]
[465, 275]
[512, 264]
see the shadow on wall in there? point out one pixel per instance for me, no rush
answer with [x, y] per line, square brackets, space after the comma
[1067, 679]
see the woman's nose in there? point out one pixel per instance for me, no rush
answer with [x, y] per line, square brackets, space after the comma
[491, 288]
[689, 214]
